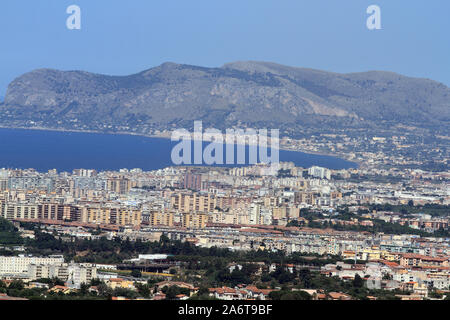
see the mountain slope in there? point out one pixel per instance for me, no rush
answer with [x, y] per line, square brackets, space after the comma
[240, 93]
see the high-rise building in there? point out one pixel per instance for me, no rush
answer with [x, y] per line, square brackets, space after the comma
[118, 185]
[193, 202]
[11, 210]
[19, 265]
[73, 274]
[161, 218]
[122, 216]
[319, 172]
[194, 220]
[192, 181]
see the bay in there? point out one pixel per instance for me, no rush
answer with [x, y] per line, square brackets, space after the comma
[44, 150]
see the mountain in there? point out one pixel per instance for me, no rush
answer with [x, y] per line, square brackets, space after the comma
[242, 93]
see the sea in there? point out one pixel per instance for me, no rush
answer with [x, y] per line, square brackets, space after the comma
[45, 150]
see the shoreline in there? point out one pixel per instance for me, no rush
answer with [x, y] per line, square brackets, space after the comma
[163, 136]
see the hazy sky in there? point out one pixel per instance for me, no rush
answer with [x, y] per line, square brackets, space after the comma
[124, 37]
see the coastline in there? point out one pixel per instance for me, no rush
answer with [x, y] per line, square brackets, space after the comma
[167, 137]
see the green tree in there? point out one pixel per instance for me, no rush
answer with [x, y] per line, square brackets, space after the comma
[203, 290]
[173, 271]
[16, 285]
[358, 282]
[143, 289]
[136, 273]
[84, 289]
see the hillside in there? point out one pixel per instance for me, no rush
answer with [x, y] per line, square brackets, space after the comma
[242, 93]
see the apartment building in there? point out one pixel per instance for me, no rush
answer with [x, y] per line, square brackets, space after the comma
[259, 214]
[73, 274]
[194, 220]
[118, 185]
[12, 211]
[161, 218]
[417, 260]
[102, 214]
[319, 172]
[192, 181]
[305, 197]
[193, 202]
[19, 265]
[285, 212]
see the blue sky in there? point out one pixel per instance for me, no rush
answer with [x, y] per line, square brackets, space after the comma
[124, 37]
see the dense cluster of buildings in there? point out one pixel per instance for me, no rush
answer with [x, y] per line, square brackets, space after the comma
[240, 208]
[193, 197]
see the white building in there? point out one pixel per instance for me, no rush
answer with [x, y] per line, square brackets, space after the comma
[258, 214]
[319, 172]
[74, 274]
[19, 265]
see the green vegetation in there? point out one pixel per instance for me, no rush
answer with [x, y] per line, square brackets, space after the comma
[204, 267]
[115, 251]
[289, 295]
[172, 291]
[378, 226]
[136, 273]
[9, 234]
[317, 220]
[435, 210]
[18, 289]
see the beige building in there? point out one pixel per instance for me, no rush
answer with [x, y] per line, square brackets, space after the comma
[118, 185]
[194, 220]
[12, 211]
[159, 218]
[111, 215]
[193, 202]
